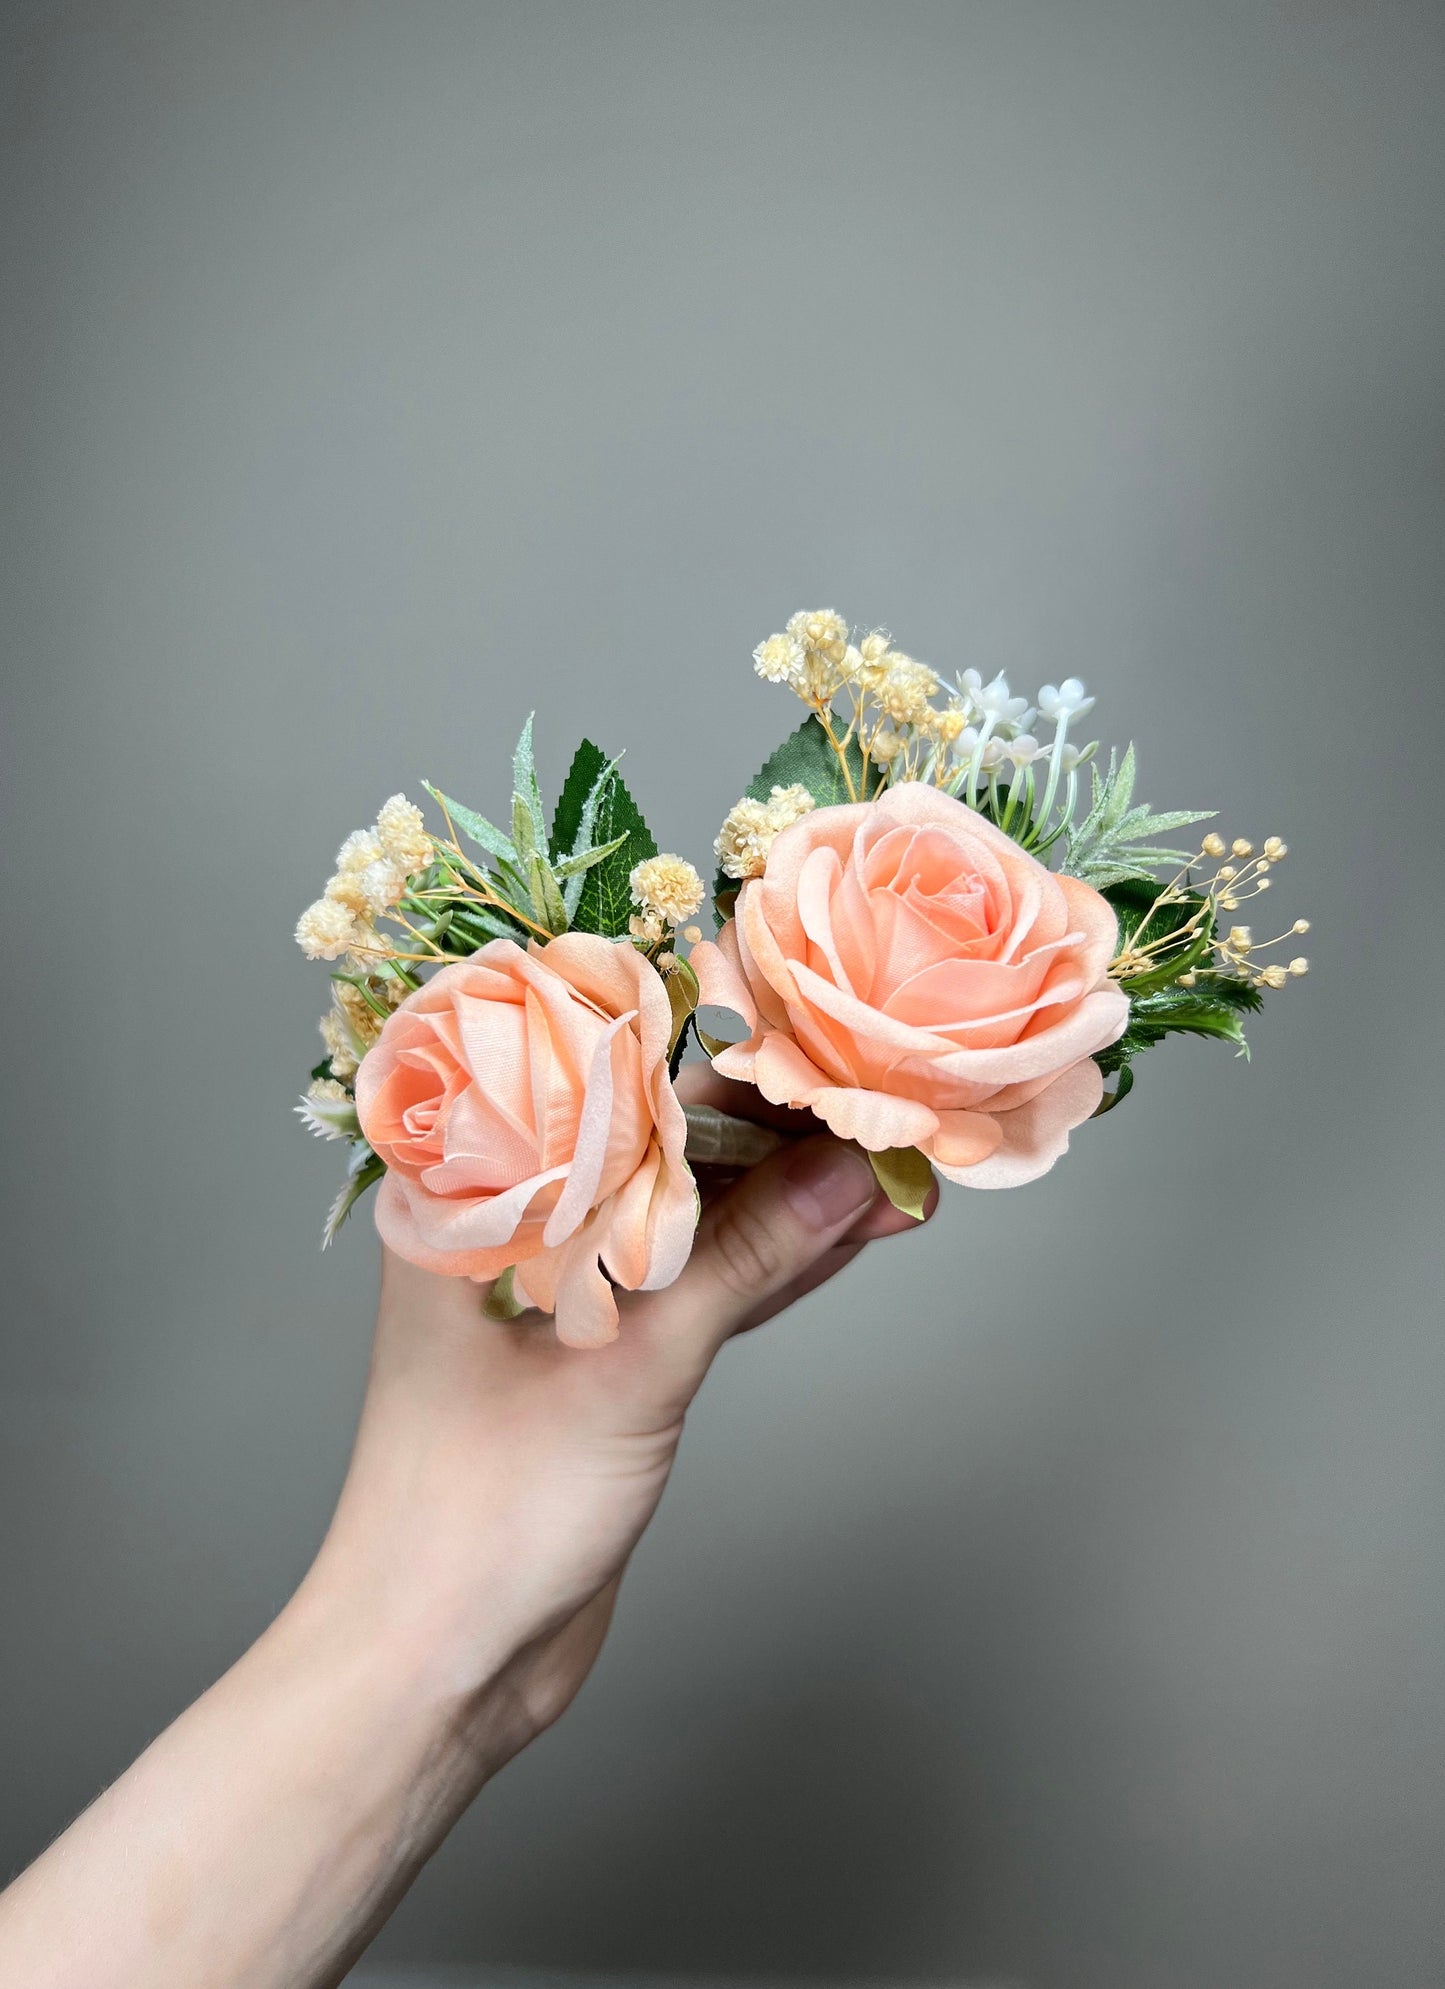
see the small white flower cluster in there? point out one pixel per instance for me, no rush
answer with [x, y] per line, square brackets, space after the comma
[372, 868]
[893, 719]
[667, 891]
[751, 827]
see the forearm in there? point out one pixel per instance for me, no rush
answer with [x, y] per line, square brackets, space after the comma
[265, 1836]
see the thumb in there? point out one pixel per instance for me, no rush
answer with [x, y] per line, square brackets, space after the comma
[761, 1236]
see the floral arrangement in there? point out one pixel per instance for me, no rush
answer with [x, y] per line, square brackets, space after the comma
[937, 942]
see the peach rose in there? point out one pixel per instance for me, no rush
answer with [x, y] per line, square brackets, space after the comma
[916, 979]
[521, 1102]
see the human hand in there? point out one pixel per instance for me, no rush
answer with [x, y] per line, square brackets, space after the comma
[500, 1479]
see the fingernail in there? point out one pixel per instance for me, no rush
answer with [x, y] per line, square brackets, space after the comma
[825, 1182]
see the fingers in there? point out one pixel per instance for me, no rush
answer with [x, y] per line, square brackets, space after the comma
[765, 1235]
[827, 1266]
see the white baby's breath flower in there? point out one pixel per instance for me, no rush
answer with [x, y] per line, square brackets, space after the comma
[339, 1046]
[346, 888]
[1023, 751]
[382, 883]
[780, 660]
[1064, 701]
[744, 839]
[364, 1022]
[361, 847]
[787, 805]
[821, 629]
[325, 930]
[667, 885]
[402, 832]
[905, 690]
[367, 949]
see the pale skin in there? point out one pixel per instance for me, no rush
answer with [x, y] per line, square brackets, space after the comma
[498, 1485]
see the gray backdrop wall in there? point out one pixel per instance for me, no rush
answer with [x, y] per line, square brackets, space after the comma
[1063, 1602]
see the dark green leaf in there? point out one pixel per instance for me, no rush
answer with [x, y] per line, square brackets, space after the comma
[587, 763]
[605, 902]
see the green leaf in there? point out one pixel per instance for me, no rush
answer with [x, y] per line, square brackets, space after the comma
[1123, 1085]
[1109, 847]
[574, 825]
[905, 1177]
[604, 903]
[524, 833]
[682, 993]
[589, 762]
[573, 866]
[475, 826]
[1173, 1011]
[365, 1169]
[474, 925]
[525, 789]
[501, 1302]
[1143, 922]
[546, 897]
[805, 759]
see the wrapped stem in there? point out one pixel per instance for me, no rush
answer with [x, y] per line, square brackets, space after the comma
[716, 1139]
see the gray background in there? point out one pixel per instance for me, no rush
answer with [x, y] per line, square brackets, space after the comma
[1060, 1603]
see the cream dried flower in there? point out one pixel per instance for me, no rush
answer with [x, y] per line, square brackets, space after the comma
[361, 847]
[667, 885]
[779, 660]
[403, 834]
[346, 888]
[358, 1012]
[325, 930]
[821, 629]
[905, 690]
[339, 1047]
[382, 884]
[743, 841]
[751, 827]
[787, 805]
[646, 928]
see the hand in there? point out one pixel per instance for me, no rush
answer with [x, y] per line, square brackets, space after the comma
[501, 1480]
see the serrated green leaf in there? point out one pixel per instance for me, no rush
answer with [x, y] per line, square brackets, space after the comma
[589, 763]
[474, 826]
[805, 759]
[605, 902]
[905, 1177]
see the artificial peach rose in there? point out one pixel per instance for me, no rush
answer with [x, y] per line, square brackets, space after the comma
[916, 979]
[521, 1102]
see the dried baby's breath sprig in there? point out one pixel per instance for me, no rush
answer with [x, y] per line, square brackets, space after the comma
[667, 885]
[1152, 944]
[751, 827]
